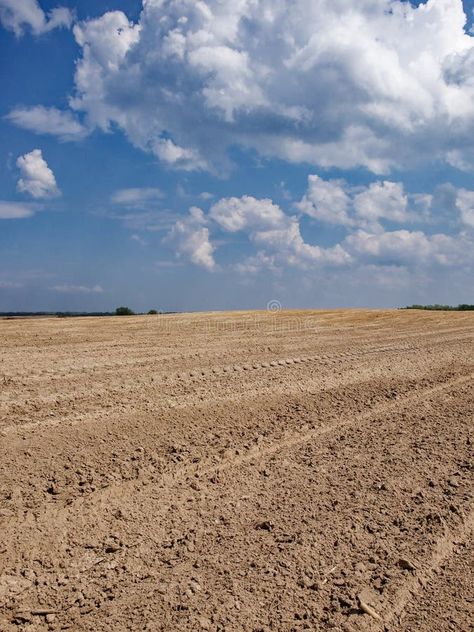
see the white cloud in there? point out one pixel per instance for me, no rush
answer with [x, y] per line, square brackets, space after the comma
[105, 42]
[77, 289]
[382, 200]
[286, 246]
[141, 218]
[276, 234]
[363, 212]
[205, 195]
[403, 246]
[335, 202]
[376, 84]
[37, 178]
[279, 243]
[139, 240]
[17, 15]
[174, 155]
[235, 214]
[137, 197]
[190, 238]
[9, 285]
[16, 210]
[327, 201]
[41, 120]
[465, 205]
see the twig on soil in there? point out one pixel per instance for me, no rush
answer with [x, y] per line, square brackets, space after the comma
[369, 610]
[41, 612]
[325, 580]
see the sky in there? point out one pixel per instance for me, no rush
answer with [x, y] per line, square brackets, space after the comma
[187, 155]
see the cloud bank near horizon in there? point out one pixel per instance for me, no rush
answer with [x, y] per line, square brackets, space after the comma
[369, 215]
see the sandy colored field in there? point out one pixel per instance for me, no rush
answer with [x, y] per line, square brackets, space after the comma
[238, 472]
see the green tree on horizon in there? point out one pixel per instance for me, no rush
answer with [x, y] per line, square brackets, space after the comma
[124, 311]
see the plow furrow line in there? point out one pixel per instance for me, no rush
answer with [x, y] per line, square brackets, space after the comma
[426, 570]
[177, 476]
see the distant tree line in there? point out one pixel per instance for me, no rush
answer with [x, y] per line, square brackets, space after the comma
[126, 311]
[50, 314]
[463, 307]
[120, 311]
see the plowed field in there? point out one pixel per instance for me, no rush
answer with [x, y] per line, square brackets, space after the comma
[246, 471]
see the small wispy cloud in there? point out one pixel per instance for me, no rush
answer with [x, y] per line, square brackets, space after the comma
[138, 240]
[21, 15]
[137, 197]
[151, 221]
[168, 264]
[41, 120]
[16, 210]
[77, 289]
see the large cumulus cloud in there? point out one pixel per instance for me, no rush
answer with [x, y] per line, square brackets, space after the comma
[377, 83]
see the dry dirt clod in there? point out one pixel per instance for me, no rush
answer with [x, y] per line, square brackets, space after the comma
[205, 623]
[406, 565]
[266, 525]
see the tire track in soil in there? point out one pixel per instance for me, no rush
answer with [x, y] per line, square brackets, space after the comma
[212, 374]
[365, 622]
[112, 368]
[297, 439]
[360, 393]
[425, 571]
[442, 549]
[453, 585]
[178, 475]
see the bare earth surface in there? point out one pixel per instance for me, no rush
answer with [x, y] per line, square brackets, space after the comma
[244, 471]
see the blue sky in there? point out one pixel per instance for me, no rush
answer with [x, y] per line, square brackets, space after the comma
[219, 155]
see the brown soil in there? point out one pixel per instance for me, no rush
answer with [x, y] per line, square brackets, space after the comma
[246, 471]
